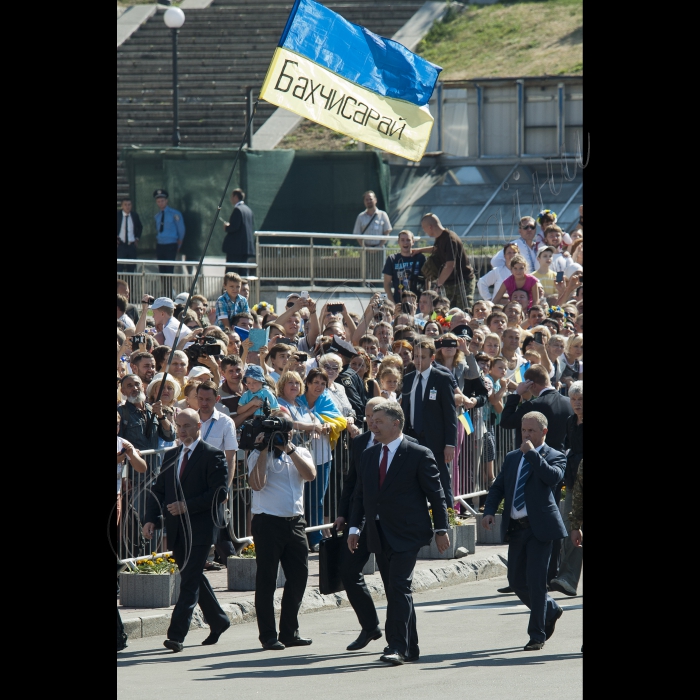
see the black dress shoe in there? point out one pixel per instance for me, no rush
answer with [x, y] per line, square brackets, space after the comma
[364, 639]
[297, 642]
[272, 645]
[507, 589]
[213, 637]
[549, 629]
[172, 644]
[533, 645]
[395, 658]
[410, 658]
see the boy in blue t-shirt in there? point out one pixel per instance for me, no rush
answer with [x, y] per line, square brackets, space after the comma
[257, 389]
[230, 302]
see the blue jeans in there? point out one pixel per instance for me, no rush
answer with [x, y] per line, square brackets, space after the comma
[314, 493]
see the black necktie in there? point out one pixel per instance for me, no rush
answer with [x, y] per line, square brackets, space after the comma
[418, 406]
[162, 221]
[126, 229]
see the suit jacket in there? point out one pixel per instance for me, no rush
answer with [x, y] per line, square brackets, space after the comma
[439, 415]
[202, 485]
[354, 389]
[135, 220]
[400, 504]
[357, 446]
[553, 405]
[239, 240]
[542, 511]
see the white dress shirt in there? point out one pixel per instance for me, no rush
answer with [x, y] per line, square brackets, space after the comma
[393, 446]
[127, 225]
[530, 254]
[523, 511]
[170, 331]
[495, 277]
[219, 431]
[186, 450]
[283, 493]
[425, 374]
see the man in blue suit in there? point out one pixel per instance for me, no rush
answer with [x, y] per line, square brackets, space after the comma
[531, 520]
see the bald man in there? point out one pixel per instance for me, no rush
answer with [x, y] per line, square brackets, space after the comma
[189, 492]
[448, 264]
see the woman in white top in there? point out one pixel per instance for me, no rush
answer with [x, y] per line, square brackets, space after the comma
[497, 275]
[576, 262]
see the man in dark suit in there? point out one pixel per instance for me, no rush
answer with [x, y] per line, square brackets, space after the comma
[531, 522]
[239, 243]
[394, 479]
[189, 492]
[431, 415]
[536, 393]
[352, 564]
[129, 229]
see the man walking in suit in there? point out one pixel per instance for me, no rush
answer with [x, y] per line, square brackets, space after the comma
[394, 479]
[239, 244]
[428, 402]
[189, 492]
[129, 229]
[531, 522]
[536, 393]
[352, 564]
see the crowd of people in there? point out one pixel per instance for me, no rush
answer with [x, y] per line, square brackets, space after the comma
[426, 362]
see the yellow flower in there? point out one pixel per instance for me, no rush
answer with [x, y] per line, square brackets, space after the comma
[171, 560]
[153, 554]
[150, 563]
[172, 570]
[159, 560]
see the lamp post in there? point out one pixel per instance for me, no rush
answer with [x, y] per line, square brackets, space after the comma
[174, 18]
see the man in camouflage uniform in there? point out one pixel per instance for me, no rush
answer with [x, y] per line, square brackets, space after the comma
[448, 265]
[576, 515]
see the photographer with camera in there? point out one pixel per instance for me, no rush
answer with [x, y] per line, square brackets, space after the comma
[277, 471]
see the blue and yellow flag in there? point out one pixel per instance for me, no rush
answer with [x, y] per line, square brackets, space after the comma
[348, 79]
[519, 375]
[466, 421]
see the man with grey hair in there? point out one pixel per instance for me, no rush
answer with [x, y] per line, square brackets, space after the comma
[531, 522]
[351, 565]
[569, 574]
[394, 479]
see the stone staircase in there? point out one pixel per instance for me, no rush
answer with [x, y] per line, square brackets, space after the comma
[222, 50]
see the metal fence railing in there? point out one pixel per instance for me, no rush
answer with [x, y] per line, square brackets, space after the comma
[324, 258]
[469, 475]
[144, 277]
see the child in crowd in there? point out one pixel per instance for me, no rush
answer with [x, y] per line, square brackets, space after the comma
[544, 274]
[257, 388]
[278, 358]
[230, 302]
[389, 381]
[497, 322]
[554, 237]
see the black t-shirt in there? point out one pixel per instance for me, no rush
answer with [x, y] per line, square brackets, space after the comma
[404, 271]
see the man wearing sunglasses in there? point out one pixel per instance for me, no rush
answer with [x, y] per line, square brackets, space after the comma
[527, 247]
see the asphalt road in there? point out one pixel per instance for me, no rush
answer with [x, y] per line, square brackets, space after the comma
[471, 641]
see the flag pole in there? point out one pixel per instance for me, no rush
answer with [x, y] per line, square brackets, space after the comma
[244, 140]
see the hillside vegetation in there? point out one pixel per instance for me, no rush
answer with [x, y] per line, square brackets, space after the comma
[508, 40]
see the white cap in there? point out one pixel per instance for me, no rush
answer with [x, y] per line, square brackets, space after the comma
[181, 298]
[198, 372]
[163, 302]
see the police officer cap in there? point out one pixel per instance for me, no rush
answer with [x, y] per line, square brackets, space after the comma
[463, 330]
[160, 193]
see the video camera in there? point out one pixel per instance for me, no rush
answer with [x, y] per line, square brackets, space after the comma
[202, 346]
[276, 429]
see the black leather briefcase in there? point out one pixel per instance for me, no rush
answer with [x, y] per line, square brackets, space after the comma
[329, 554]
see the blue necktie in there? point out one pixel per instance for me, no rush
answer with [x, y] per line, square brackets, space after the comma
[418, 406]
[519, 499]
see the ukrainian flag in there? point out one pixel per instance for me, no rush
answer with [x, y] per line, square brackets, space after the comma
[466, 421]
[326, 411]
[350, 80]
[520, 373]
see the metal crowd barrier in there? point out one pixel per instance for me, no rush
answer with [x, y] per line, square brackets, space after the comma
[470, 478]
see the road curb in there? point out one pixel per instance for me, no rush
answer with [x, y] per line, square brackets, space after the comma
[425, 578]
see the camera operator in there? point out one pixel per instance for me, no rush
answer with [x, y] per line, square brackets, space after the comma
[278, 526]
